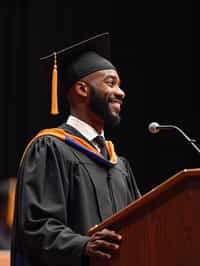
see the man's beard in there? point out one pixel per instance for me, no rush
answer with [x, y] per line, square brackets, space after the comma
[100, 106]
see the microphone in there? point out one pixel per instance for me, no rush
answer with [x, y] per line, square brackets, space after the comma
[155, 127]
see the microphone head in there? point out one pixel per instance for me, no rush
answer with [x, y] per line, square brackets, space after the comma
[154, 127]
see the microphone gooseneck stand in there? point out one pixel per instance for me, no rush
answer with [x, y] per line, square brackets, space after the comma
[154, 128]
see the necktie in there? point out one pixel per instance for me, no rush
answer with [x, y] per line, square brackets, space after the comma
[102, 145]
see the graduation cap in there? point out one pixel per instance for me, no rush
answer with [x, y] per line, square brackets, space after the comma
[77, 61]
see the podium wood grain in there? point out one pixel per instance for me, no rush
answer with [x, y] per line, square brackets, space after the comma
[160, 228]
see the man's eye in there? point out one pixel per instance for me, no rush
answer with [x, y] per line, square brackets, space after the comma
[110, 83]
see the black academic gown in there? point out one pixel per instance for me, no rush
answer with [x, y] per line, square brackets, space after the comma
[61, 193]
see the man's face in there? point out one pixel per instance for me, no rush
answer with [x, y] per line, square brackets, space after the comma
[105, 96]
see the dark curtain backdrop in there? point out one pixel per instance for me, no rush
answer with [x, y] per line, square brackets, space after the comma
[152, 48]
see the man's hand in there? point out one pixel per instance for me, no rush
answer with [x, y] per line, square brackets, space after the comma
[103, 244]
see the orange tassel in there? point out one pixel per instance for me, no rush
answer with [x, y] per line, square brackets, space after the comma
[54, 92]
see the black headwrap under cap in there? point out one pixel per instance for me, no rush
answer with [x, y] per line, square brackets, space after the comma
[83, 65]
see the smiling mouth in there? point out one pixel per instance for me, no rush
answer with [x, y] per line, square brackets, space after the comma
[116, 105]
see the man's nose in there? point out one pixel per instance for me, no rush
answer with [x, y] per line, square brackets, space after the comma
[120, 93]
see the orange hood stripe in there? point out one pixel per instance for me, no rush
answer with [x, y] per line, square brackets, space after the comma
[78, 143]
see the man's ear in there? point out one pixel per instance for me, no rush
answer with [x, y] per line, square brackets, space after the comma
[81, 88]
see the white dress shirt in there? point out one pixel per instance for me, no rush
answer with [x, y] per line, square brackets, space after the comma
[86, 130]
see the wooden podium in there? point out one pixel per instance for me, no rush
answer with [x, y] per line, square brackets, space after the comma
[162, 228]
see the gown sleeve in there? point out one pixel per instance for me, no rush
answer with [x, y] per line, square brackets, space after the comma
[44, 179]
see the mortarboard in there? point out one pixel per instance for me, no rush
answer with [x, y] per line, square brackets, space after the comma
[77, 61]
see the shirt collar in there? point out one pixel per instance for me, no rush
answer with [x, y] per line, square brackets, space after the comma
[85, 129]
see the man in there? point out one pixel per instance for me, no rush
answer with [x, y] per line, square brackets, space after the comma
[69, 180]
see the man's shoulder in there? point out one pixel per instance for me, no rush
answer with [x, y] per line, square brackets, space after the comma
[49, 139]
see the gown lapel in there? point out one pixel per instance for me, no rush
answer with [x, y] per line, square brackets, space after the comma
[98, 176]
